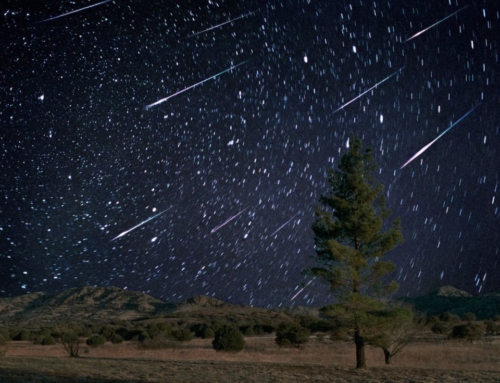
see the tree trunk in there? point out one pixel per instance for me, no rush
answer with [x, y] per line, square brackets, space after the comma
[387, 355]
[360, 350]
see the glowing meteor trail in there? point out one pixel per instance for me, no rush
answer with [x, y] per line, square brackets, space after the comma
[282, 226]
[437, 138]
[192, 86]
[227, 221]
[75, 11]
[302, 289]
[219, 25]
[139, 225]
[366, 91]
[433, 25]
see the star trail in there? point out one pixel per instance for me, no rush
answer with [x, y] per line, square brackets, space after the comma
[256, 100]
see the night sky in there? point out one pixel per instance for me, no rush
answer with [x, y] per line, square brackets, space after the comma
[219, 181]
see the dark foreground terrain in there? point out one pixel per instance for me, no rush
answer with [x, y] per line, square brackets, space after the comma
[261, 361]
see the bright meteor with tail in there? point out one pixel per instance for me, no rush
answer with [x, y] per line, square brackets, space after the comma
[433, 25]
[139, 225]
[366, 91]
[75, 11]
[192, 86]
[437, 138]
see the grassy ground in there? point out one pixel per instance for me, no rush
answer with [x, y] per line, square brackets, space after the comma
[261, 361]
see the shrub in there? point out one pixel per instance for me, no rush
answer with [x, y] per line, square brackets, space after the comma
[107, 332]
[48, 341]
[248, 331]
[292, 334]
[470, 331]
[207, 333]
[96, 341]
[228, 339]
[440, 328]
[492, 327]
[116, 339]
[182, 335]
[22, 335]
[71, 343]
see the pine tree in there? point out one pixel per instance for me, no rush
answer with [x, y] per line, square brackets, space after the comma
[351, 238]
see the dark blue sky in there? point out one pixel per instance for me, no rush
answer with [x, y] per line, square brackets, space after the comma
[83, 161]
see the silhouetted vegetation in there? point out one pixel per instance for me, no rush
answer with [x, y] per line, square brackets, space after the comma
[292, 334]
[228, 338]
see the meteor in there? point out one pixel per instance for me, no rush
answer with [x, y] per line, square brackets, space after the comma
[437, 138]
[282, 226]
[366, 91]
[219, 25]
[75, 11]
[302, 289]
[139, 225]
[433, 25]
[227, 221]
[192, 86]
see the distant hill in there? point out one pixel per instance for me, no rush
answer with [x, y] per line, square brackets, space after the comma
[458, 302]
[105, 304]
[78, 304]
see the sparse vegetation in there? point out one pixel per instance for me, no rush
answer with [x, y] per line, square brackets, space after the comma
[96, 341]
[471, 331]
[228, 338]
[292, 334]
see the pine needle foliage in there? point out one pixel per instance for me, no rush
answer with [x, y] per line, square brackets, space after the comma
[352, 236]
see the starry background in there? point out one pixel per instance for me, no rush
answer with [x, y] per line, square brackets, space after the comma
[83, 160]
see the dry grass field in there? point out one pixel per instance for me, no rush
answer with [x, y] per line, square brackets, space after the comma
[261, 361]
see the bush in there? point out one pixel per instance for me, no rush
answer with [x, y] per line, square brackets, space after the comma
[292, 334]
[48, 341]
[96, 341]
[228, 339]
[440, 328]
[492, 327]
[471, 331]
[71, 343]
[207, 333]
[116, 339]
[248, 331]
[22, 335]
[182, 335]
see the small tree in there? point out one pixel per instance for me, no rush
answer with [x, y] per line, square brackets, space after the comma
[397, 329]
[228, 338]
[71, 343]
[351, 241]
[292, 334]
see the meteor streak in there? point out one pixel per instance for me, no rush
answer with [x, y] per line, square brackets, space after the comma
[282, 226]
[227, 221]
[433, 25]
[139, 225]
[366, 91]
[437, 138]
[75, 11]
[192, 86]
[219, 25]
[302, 289]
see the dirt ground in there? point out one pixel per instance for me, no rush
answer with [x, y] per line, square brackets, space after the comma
[261, 361]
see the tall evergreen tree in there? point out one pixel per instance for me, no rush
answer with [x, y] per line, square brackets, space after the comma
[351, 238]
